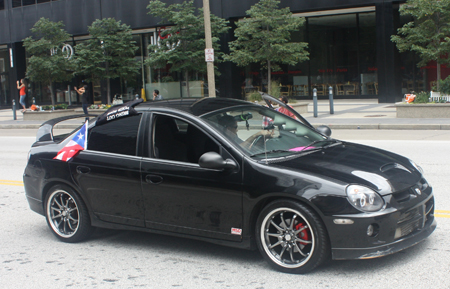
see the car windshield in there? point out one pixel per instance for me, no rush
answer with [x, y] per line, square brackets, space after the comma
[263, 133]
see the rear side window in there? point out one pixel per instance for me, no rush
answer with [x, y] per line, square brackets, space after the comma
[119, 136]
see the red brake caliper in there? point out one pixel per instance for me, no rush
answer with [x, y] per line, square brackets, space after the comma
[305, 234]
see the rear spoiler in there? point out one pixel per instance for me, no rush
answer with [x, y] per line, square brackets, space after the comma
[45, 131]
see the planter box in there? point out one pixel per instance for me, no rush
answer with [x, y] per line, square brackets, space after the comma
[301, 108]
[47, 115]
[425, 110]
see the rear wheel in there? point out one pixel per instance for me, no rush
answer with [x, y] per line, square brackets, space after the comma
[291, 237]
[67, 215]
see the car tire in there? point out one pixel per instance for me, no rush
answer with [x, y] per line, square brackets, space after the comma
[67, 215]
[291, 237]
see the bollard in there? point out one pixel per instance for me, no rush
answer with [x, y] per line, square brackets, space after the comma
[315, 101]
[330, 90]
[14, 109]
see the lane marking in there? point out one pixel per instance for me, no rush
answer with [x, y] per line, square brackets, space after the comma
[11, 183]
[442, 213]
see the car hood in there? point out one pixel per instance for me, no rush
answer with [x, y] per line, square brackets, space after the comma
[351, 163]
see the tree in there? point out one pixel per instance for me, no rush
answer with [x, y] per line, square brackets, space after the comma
[428, 34]
[182, 45]
[48, 63]
[108, 54]
[264, 38]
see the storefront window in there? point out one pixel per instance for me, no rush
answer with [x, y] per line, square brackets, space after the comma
[342, 56]
[5, 91]
[367, 54]
[2, 4]
[334, 54]
[170, 84]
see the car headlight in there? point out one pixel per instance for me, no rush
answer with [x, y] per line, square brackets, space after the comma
[416, 166]
[364, 199]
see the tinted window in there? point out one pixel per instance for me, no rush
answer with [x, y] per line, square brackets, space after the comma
[119, 136]
[16, 3]
[28, 2]
[177, 140]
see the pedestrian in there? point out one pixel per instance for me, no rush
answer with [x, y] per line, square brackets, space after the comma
[22, 87]
[285, 110]
[156, 95]
[83, 94]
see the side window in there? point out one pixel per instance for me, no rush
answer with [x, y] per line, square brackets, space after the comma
[178, 140]
[118, 136]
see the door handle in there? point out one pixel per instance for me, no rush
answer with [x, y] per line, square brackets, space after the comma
[153, 179]
[83, 170]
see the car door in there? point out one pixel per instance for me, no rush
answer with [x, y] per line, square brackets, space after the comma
[179, 195]
[108, 172]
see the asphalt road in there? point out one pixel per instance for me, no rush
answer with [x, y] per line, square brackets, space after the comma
[30, 257]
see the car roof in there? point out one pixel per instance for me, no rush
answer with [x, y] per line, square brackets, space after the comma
[195, 106]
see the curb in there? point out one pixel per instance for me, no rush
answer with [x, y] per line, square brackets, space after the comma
[387, 126]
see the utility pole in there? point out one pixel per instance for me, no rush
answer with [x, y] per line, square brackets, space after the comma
[209, 51]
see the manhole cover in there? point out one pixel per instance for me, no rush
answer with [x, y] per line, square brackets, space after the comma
[375, 115]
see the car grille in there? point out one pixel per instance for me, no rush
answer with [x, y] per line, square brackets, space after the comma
[415, 219]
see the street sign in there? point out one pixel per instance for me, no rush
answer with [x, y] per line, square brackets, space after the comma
[209, 55]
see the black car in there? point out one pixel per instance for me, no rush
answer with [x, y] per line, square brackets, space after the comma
[234, 173]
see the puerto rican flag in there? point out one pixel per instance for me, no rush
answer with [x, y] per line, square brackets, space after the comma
[76, 144]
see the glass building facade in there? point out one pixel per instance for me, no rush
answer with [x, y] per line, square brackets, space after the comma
[342, 56]
[349, 51]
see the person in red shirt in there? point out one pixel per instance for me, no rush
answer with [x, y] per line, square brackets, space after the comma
[22, 87]
[285, 110]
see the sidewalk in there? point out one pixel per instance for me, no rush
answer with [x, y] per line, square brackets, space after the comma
[348, 114]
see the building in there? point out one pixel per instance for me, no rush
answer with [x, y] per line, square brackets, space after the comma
[349, 44]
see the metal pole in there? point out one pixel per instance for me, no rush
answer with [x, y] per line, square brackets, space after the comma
[330, 89]
[70, 95]
[315, 101]
[208, 42]
[14, 109]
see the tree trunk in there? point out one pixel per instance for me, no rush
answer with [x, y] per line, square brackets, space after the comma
[108, 81]
[438, 73]
[52, 93]
[269, 78]
[186, 75]
[108, 90]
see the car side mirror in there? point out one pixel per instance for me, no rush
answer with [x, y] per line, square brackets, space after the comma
[323, 129]
[212, 160]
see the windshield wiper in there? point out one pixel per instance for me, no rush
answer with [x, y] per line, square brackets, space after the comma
[271, 152]
[318, 141]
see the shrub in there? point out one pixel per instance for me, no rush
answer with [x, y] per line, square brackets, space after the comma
[422, 97]
[275, 89]
[254, 96]
[444, 85]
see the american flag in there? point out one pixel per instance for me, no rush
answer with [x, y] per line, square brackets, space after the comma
[76, 144]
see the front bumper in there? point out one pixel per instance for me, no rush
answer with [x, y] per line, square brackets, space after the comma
[383, 250]
[404, 223]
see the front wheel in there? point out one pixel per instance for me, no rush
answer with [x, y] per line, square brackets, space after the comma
[291, 237]
[67, 215]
